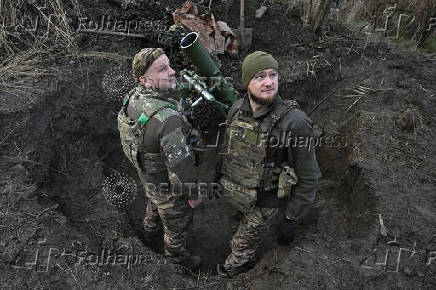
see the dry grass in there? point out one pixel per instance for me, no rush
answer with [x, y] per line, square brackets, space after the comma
[105, 55]
[412, 25]
[29, 53]
[19, 79]
[52, 29]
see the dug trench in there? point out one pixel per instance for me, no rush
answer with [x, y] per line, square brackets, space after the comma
[377, 185]
[74, 132]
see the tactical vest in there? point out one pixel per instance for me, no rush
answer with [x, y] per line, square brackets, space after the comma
[244, 163]
[132, 134]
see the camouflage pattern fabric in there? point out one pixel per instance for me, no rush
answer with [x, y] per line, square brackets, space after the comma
[245, 168]
[146, 100]
[247, 148]
[152, 221]
[296, 198]
[157, 147]
[244, 163]
[143, 60]
[143, 102]
[175, 147]
[283, 150]
[154, 135]
[175, 215]
[251, 231]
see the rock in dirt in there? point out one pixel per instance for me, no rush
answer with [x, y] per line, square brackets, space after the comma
[408, 271]
[405, 122]
[260, 12]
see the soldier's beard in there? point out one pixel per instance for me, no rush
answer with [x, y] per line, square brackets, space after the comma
[261, 101]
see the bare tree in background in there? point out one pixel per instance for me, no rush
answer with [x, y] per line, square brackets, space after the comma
[309, 17]
[426, 16]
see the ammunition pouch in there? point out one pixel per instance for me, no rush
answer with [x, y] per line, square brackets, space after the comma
[240, 197]
[287, 179]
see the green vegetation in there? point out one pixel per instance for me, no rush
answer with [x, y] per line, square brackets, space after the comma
[428, 48]
[408, 43]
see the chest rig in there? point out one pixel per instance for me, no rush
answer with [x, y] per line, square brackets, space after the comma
[132, 132]
[245, 168]
[247, 148]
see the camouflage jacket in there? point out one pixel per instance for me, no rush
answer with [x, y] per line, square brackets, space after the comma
[294, 134]
[159, 145]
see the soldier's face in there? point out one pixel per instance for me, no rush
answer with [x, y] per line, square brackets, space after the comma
[263, 86]
[159, 75]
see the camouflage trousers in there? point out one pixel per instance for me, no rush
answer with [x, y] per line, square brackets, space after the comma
[248, 237]
[175, 215]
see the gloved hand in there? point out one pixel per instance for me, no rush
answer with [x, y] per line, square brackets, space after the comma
[195, 203]
[286, 231]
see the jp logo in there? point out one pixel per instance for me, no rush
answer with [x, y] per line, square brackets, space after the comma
[396, 256]
[395, 19]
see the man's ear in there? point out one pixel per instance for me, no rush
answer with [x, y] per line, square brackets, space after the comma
[142, 80]
[146, 81]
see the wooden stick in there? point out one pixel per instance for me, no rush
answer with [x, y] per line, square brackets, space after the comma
[135, 35]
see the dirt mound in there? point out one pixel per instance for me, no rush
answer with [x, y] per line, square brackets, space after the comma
[374, 108]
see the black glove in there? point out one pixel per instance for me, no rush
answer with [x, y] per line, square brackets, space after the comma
[286, 231]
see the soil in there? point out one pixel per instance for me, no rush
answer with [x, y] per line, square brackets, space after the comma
[372, 225]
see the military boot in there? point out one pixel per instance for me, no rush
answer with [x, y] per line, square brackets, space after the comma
[229, 272]
[154, 239]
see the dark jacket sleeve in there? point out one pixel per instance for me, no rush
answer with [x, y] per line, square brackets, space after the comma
[302, 157]
[177, 155]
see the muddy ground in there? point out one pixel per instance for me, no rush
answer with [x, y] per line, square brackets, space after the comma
[372, 225]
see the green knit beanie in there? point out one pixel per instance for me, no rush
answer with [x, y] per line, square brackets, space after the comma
[255, 62]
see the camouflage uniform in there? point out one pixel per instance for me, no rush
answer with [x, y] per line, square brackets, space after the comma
[153, 134]
[281, 123]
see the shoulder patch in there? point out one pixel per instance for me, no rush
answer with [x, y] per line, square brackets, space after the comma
[143, 119]
[126, 100]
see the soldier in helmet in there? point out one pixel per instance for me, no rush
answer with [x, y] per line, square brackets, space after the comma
[154, 136]
[269, 162]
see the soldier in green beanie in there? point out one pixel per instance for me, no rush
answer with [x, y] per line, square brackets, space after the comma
[263, 167]
[154, 137]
